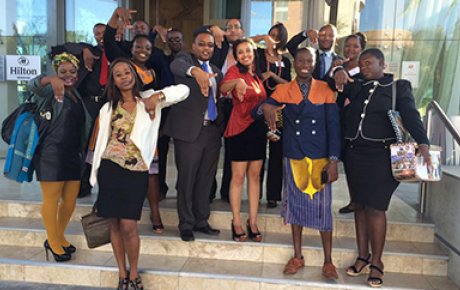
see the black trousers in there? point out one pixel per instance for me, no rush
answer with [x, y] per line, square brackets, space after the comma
[196, 164]
[163, 148]
[227, 169]
[275, 170]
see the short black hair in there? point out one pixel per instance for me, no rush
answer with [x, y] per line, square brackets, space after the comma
[305, 49]
[377, 53]
[174, 30]
[202, 30]
[239, 20]
[282, 35]
[98, 24]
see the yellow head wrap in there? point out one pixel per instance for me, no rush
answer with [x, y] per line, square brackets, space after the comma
[65, 57]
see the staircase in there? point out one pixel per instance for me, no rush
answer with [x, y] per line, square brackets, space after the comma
[413, 259]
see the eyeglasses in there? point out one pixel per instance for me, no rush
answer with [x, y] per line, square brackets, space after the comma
[235, 26]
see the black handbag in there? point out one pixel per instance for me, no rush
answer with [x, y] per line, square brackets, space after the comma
[96, 229]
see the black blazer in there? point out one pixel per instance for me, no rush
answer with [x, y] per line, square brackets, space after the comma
[220, 54]
[376, 125]
[294, 43]
[185, 119]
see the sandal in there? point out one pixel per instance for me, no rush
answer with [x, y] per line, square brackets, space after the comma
[329, 271]
[354, 272]
[136, 284]
[158, 229]
[375, 282]
[123, 283]
[293, 265]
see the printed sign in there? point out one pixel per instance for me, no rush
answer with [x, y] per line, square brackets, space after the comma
[2, 68]
[22, 67]
[411, 72]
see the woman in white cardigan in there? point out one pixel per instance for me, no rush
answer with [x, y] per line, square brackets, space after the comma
[125, 147]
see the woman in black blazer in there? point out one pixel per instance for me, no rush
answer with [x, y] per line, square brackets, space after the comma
[368, 134]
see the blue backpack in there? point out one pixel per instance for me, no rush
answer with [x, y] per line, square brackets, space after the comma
[23, 142]
[22, 130]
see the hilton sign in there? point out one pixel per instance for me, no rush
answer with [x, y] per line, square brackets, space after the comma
[22, 67]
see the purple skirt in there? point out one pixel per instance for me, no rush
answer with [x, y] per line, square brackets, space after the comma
[299, 209]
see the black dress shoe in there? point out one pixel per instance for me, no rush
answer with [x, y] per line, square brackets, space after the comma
[347, 209]
[225, 198]
[187, 236]
[272, 203]
[207, 230]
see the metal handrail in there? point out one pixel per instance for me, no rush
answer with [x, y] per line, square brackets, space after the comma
[433, 106]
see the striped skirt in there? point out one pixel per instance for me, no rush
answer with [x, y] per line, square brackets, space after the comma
[298, 209]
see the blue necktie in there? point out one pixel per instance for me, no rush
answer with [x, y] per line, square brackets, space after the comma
[322, 65]
[212, 110]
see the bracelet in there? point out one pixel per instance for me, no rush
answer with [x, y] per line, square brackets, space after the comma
[335, 69]
[162, 97]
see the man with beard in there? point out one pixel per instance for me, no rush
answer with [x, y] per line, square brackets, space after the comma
[196, 127]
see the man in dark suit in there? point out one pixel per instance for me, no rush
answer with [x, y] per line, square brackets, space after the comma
[223, 59]
[161, 62]
[325, 55]
[196, 127]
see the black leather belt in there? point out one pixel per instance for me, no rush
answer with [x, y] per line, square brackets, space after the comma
[207, 123]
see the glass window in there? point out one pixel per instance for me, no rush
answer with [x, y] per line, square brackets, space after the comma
[265, 13]
[81, 15]
[424, 32]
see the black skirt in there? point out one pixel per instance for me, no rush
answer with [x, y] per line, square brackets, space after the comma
[368, 169]
[121, 191]
[250, 144]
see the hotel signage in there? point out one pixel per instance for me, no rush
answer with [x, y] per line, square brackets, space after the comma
[22, 67]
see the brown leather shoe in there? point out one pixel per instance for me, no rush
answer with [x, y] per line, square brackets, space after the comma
[329, 271]
[294, 265]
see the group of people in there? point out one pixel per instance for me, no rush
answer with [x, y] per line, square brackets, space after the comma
[115, 95]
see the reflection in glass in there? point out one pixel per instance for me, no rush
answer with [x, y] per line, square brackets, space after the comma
[81, 15]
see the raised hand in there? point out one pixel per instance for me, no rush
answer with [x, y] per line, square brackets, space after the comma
[266, 75]
[219, 35]
[88, 59]
[161, 31]
[312, 35]
[151, 104]
[57, 85]
[203, 79]
[341, 79]
[241, 87]
[271, 114]
[271, 44]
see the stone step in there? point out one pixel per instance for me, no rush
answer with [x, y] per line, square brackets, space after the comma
[400, 257]
[98, 269]
[15, 285]
[268, 220]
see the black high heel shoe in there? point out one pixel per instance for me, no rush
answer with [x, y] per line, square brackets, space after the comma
[254, 236]
[136, 284]
[238, 237]
[57, 257]
[70, 249]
